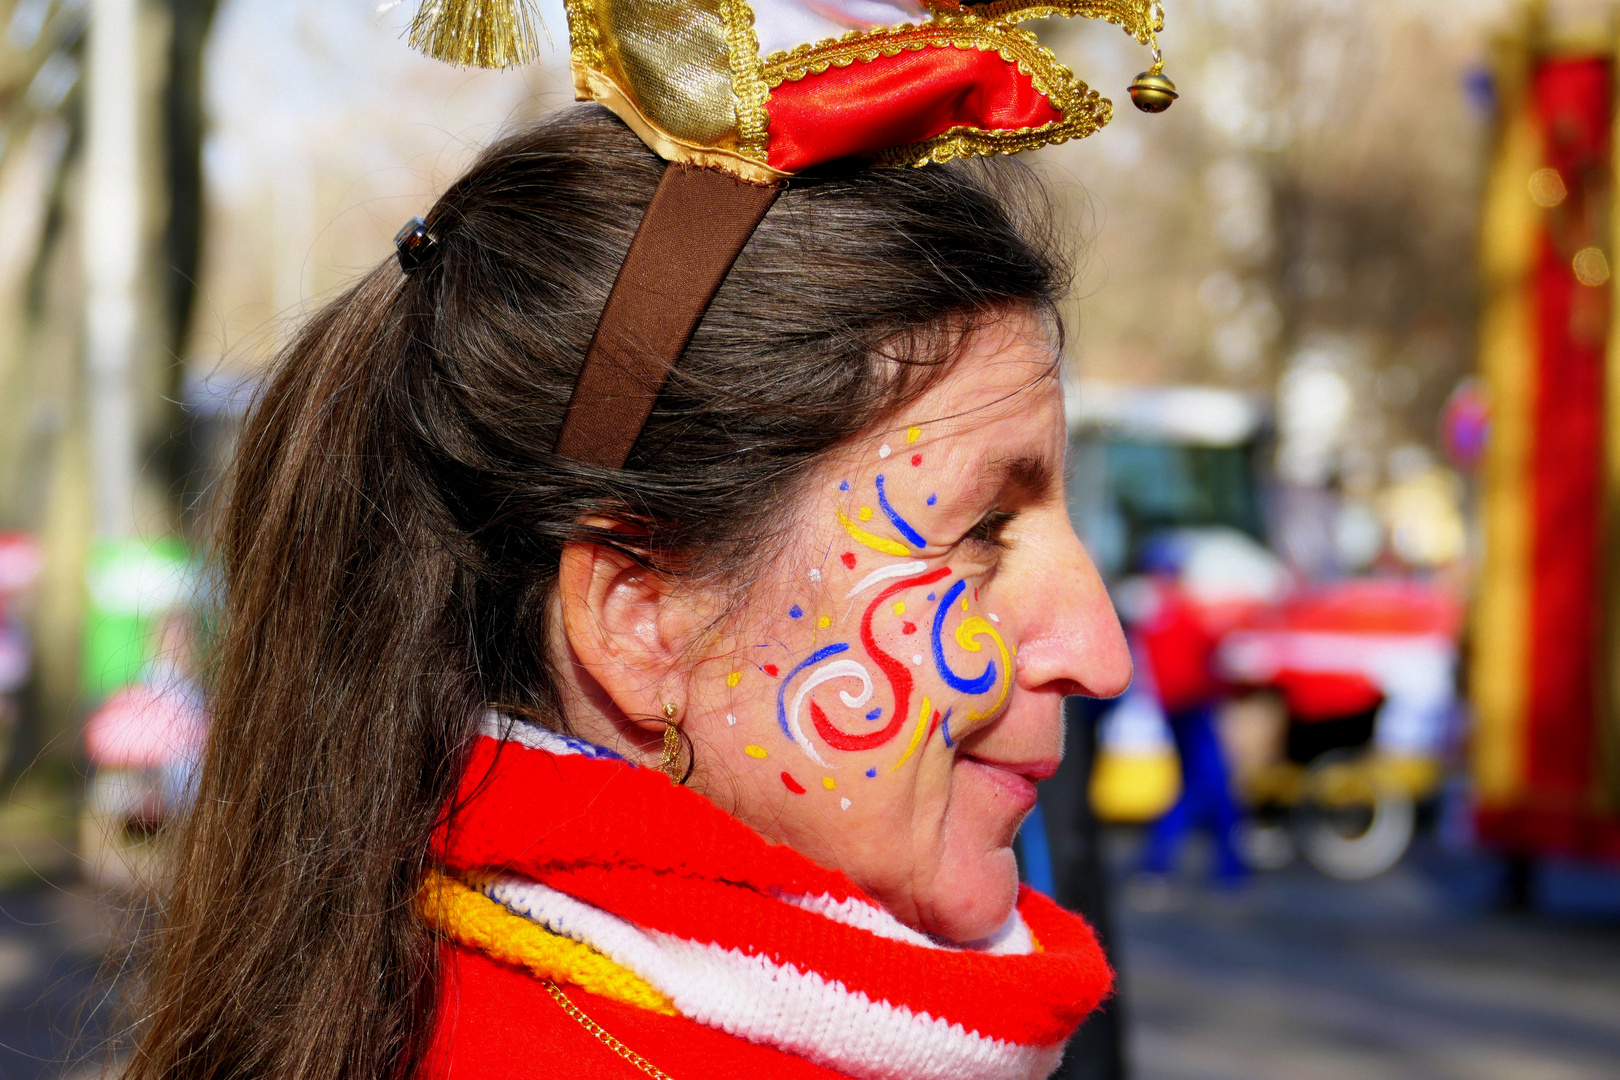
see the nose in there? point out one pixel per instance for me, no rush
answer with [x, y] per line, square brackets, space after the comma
[1071, 639]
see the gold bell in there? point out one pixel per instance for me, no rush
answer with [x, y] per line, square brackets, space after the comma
[1152, 92]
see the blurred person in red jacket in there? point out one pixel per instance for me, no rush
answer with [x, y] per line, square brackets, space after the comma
[1204, 583]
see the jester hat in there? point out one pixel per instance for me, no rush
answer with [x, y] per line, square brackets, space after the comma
[739, 96]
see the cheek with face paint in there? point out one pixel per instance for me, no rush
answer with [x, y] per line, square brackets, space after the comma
[883, 652]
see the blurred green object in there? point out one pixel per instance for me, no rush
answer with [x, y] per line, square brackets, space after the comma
[134, 584]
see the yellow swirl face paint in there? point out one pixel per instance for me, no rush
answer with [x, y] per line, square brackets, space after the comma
[871, 540]
[967, 635]
[916, 734]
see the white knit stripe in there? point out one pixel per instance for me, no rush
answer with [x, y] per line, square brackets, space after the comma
[862, 916]
[500, 727]
[780, 1005]
[1013, 939]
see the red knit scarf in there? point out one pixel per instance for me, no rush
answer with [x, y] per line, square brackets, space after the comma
[749, 936]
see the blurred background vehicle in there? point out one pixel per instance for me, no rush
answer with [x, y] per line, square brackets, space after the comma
[1339, 392]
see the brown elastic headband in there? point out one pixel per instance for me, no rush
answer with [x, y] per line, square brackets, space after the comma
[693, 230]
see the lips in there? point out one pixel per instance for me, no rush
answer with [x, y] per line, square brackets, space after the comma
[1015, 781]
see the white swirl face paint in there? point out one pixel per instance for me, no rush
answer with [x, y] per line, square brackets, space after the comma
[884, 573]
[838, 669]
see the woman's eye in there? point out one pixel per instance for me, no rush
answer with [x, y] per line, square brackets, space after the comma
[989, 529]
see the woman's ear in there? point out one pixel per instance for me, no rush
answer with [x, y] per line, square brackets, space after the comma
[627, 627]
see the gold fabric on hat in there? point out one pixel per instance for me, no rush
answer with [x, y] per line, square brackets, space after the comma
[675, 62]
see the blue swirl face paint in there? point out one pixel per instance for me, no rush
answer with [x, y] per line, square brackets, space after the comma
[913, 537]
[781, 690]
[945, 729]
[952, 679]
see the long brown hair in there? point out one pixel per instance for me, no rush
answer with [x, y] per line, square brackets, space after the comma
[395, 523]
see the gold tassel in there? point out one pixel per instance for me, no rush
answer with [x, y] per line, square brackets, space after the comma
[477, 33]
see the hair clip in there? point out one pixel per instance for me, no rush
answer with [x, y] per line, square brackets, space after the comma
[413, 242]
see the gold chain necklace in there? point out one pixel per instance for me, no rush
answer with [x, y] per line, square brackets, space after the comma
[602, 1034]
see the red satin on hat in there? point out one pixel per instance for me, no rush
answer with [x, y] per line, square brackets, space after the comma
[868, 107]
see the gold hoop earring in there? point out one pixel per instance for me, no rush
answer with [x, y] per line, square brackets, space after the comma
[670, 763]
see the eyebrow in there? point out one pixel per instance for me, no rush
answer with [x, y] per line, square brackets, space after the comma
[1032, 474]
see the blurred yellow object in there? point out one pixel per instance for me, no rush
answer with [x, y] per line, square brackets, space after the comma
[1418, 777]
[1341, 783]
[1278, 783]
[1135, 787]
[1425, 521]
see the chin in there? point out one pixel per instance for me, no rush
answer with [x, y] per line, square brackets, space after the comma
[972, 897]
[974, 889]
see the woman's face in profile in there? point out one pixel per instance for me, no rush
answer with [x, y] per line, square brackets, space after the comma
[889, 698]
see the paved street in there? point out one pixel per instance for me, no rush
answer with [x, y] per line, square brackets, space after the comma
[52, 944]
[1411, 975]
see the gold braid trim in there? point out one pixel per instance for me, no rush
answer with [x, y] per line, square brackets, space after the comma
[1084, 111]
[585, 41]
[1139, 18]
[465, 915]
[747, 78]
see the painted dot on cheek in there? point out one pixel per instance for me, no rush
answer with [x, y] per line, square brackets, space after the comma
[931, 597]
[871, 774]
[916, 459]
[731, 721]
[913, 433]
[848, 559]
[916, 659]
[734, 678]
[900, 608]
[908, 628]
[865, 513]
[829, 783]
[994, 617]
[843, 485]
[845, 803]
[756, 751]
[815, 575]
[795, 612]
[824, 622]
[884, 451]
[932, 499]
[874, 714]
[771, 670]
[792, 784]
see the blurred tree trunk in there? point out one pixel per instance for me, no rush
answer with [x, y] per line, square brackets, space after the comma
[46, 469]
[183, 135]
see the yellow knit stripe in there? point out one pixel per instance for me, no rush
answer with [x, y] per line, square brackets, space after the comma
[466, 915]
